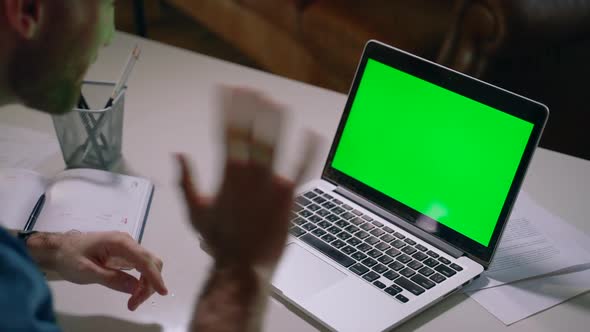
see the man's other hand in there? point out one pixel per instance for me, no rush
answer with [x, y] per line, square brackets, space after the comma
[246, 224]
[88, 258]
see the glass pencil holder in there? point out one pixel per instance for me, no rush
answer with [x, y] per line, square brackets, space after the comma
[92, 137]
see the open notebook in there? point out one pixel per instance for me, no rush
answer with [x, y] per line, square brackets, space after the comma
[86, 200]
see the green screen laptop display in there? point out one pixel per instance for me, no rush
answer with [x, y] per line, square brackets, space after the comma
[444, 155]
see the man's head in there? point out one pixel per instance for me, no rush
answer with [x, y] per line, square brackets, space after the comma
[46, 46]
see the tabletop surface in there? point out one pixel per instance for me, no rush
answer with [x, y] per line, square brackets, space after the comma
[170, 107]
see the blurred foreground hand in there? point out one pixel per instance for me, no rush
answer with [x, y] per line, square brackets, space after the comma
[245, 225]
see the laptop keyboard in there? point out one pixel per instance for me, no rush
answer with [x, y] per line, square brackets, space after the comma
[375, 252]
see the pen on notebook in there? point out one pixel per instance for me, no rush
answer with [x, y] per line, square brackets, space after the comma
[124, 75]
[35, 213]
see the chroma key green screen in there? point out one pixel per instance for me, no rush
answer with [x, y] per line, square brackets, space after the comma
[444, 155]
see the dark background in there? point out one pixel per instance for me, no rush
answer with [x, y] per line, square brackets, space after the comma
[540, 49]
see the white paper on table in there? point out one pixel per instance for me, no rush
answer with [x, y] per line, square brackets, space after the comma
[514, 302]
[19, 191]
[25, 148]
[511, 303]
[534, 243]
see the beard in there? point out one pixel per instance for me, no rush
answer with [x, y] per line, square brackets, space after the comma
[43, 80]
[45, 73]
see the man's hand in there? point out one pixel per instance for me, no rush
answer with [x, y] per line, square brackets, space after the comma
[245, 225]
[87, 258]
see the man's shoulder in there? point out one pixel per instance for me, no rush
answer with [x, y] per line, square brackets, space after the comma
[25, 303]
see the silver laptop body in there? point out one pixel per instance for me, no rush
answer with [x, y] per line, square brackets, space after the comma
[352, 262]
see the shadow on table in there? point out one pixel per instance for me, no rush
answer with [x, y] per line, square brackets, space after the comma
[70, 322]
[432, 313]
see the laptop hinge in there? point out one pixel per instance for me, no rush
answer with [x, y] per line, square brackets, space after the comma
[447, 248]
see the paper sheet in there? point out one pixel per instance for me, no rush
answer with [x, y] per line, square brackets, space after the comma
[25, 148]
[514, 302]
[19, 191]
[534, 243]
[94, 201]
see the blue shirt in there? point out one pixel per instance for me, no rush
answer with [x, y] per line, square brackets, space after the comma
[25, 300]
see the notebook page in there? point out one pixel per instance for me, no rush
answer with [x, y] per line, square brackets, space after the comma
[19, 191]
[94, 201]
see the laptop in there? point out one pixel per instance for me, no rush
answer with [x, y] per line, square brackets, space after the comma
[419, 183]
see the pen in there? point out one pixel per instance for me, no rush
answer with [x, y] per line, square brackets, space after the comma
[88, 121]
[35, 213]
[82, 104]
[124, 75]
[118, 87]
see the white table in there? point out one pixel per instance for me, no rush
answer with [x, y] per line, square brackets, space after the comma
[170, 108]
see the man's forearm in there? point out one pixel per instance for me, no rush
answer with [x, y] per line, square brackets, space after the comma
[42, 248]
[233, 299]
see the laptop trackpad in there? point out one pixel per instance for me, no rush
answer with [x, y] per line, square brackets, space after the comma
[301, 274]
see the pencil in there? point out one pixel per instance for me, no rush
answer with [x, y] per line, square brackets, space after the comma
[124, 74]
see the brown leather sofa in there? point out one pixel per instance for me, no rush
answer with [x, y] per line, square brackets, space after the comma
[320, 41]
[539, 48]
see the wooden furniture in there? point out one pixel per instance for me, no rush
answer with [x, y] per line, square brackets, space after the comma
[536, 48]
[170, 107]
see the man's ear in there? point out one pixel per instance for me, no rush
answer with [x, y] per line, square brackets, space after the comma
[24, 16]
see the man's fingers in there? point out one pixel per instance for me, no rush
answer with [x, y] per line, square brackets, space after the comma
[187, 184]
[114, 279]
[310, 149]
[146, 263]
[267, 127]
[194, 203]
[118, 263]
[186, 178]
[238, 116]
[141, 294]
